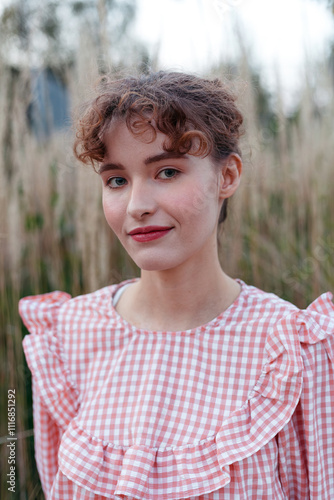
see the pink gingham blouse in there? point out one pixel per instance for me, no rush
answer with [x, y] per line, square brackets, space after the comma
[240, 408]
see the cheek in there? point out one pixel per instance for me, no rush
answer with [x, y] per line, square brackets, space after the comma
[113, 213]
[198, 199]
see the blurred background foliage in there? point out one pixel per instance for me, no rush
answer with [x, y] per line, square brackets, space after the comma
[279, 233]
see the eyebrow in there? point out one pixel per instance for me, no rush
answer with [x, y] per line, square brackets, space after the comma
[110, 166]
[166, 155]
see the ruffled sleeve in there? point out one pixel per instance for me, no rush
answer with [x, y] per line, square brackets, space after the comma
[55, 398]
[306, 444]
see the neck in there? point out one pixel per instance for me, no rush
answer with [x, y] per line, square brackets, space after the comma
[180, 298]
[179, 286]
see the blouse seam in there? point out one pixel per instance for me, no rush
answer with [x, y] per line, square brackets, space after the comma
[151, 448]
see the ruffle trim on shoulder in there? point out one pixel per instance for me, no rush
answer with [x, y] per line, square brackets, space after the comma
[45, 356]
[193, 470]
[316, 323]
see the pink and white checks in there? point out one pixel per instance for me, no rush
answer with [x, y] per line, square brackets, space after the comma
[240, 408]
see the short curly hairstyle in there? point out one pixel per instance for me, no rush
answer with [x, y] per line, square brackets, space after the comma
[197, 115]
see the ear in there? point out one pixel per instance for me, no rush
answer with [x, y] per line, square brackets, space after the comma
[231, 170]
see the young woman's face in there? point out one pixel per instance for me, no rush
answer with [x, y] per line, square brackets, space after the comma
[164, 208]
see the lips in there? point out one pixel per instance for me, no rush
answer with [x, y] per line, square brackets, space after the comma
[149, 233]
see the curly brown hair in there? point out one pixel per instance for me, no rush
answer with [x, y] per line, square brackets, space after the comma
[198, 116]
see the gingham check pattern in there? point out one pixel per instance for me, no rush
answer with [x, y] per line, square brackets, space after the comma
[240, 408]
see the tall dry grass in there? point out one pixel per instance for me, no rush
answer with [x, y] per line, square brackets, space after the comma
[279, 235]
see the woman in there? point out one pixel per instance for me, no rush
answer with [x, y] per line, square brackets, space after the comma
[183, 383]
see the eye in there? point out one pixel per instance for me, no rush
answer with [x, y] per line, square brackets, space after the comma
[116, 182]
[168, 173]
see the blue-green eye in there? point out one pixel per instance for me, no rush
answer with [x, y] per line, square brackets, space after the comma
[168, 173]
[116, 182]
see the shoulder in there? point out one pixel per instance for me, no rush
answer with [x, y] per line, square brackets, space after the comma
[284, 327]
[97, 303]
[258, 303]
[256, 298]
[306, 335]
[59, 327]
[40, 312]
[256, 312]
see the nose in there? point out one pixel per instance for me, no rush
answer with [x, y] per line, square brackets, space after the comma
[141, 200]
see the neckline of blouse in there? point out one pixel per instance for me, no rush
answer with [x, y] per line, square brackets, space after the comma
[201, 328]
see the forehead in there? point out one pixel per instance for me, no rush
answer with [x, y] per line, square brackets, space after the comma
[139, 131]
[120, 141]
[142, 139]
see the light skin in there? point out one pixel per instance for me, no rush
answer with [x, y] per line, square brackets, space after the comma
[182, 285]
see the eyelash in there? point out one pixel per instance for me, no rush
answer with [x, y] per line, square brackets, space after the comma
[176, 172]
[108, 183]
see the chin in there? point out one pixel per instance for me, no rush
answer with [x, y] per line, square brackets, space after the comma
[155, 263]
[154, 266]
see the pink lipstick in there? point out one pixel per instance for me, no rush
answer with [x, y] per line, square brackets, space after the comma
[149, 233]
